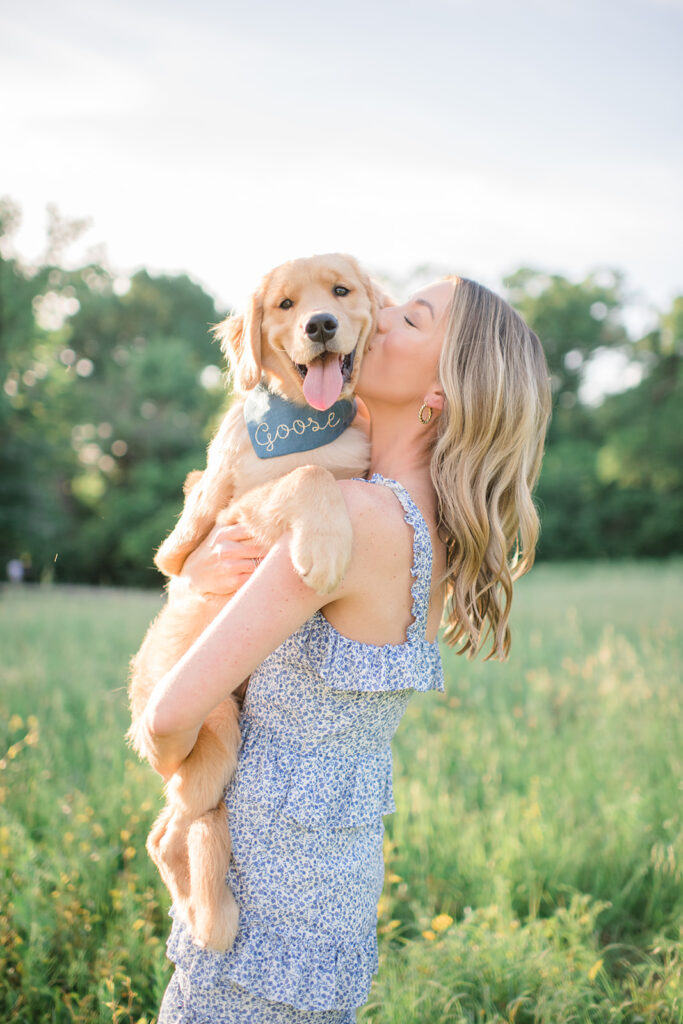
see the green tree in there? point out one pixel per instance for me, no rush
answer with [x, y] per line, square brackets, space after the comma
[109, 394]
[612, 478]
[21, 449]
[640, 460]
[574, 320]
[609, 484]
[146, 415]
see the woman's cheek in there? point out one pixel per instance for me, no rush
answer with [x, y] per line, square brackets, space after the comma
[396, 359]
[372, 363]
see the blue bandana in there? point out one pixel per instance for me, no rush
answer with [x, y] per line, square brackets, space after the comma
[277, 426]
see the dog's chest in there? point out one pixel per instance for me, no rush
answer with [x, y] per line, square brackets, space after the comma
[347, 456]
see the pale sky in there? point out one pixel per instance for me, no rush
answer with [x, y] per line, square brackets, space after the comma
[223, 138]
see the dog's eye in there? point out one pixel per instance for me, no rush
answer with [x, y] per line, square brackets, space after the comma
[286, 304]
[339, 289]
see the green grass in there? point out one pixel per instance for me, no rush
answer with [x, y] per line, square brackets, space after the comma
[533, 866]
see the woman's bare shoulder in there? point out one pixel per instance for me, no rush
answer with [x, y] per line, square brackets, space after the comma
[363, 497]
[373, 603]
[376, 516]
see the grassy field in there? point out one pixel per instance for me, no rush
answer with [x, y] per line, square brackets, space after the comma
[533, 867]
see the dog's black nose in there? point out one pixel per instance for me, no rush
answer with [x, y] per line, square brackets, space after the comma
[322, 327]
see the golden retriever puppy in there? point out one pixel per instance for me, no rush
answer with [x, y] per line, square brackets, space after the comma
[295, 357]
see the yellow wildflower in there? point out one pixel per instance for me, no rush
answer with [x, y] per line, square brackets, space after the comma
[441, 922]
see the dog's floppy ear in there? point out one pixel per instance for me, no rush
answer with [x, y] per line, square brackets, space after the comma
[240, 338]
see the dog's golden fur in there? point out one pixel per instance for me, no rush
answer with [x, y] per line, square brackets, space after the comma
[190, 841]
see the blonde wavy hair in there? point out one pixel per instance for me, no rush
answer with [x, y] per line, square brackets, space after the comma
[485, 461]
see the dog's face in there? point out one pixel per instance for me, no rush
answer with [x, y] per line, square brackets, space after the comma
[306, 330]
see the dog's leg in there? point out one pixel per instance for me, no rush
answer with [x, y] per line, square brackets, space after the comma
[206, 494]
[200, 781]
[155, 837]
[192, 858]
[167, 847]
[309, 502]
[212, 493]
[214, 910]
[191, 845]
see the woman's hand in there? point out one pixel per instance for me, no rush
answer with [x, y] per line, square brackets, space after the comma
[223, 562]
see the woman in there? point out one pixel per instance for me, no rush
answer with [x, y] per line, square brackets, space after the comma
[456, 386]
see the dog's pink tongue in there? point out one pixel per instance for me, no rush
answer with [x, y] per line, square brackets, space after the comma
[323, 381]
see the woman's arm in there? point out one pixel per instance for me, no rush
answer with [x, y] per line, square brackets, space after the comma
[262, 614]
[265, 611]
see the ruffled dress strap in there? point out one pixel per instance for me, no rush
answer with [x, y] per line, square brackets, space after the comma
[421, 569]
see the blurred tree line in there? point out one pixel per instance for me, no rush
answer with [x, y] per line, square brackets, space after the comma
[111, 389]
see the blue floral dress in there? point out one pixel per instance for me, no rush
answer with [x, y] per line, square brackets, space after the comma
[305, 806]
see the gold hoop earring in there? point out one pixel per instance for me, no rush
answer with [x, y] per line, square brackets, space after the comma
[420, 416]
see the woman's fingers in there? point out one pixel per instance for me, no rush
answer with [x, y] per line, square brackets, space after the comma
[224, 561]
[237, 553]
[240, 549]
[246, 565]
[233, 542]
[237, 531]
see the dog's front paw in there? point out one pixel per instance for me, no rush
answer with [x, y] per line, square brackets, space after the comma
[321, 557]
[215, 928]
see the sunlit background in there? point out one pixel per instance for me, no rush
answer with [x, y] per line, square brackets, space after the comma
[221, 138]
[533, 868]
[533, 146]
